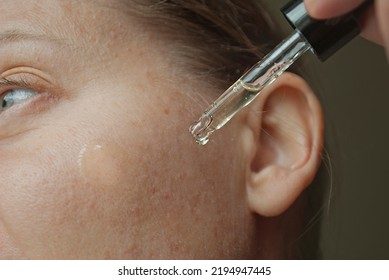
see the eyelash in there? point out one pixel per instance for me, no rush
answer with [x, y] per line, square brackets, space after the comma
[20, 82]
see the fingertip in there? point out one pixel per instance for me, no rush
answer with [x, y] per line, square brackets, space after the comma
[371, 28]
[314, 8]
[323, 9]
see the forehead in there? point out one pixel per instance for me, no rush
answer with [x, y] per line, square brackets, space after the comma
[59, 18]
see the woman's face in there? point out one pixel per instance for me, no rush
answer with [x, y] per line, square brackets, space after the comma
[96, 157]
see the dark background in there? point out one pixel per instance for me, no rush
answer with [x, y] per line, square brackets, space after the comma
[353, 86]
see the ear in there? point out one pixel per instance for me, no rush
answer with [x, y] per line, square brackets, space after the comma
[282, 145]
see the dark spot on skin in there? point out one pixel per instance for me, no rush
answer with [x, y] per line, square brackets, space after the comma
[166, 111]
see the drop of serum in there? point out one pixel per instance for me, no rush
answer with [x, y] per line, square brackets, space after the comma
[201, 129]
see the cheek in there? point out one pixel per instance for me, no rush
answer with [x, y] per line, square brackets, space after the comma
[96, 165]
[136, 186]
[61, 201]
[66, 190]
[37, 193]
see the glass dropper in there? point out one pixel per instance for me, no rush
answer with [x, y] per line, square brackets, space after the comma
[323, 37]
[249, 86]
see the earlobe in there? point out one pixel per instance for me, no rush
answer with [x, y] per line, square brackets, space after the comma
[283, 150]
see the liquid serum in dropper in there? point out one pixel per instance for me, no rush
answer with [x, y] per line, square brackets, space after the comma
[322, 37]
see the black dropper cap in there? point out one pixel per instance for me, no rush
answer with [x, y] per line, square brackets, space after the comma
[325, 36]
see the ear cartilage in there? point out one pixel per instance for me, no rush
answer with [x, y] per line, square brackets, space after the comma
[322, 37]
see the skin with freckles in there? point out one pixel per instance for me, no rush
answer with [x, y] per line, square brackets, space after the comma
[100, 164]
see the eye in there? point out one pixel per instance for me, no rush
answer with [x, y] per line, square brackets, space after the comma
[15, 96]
